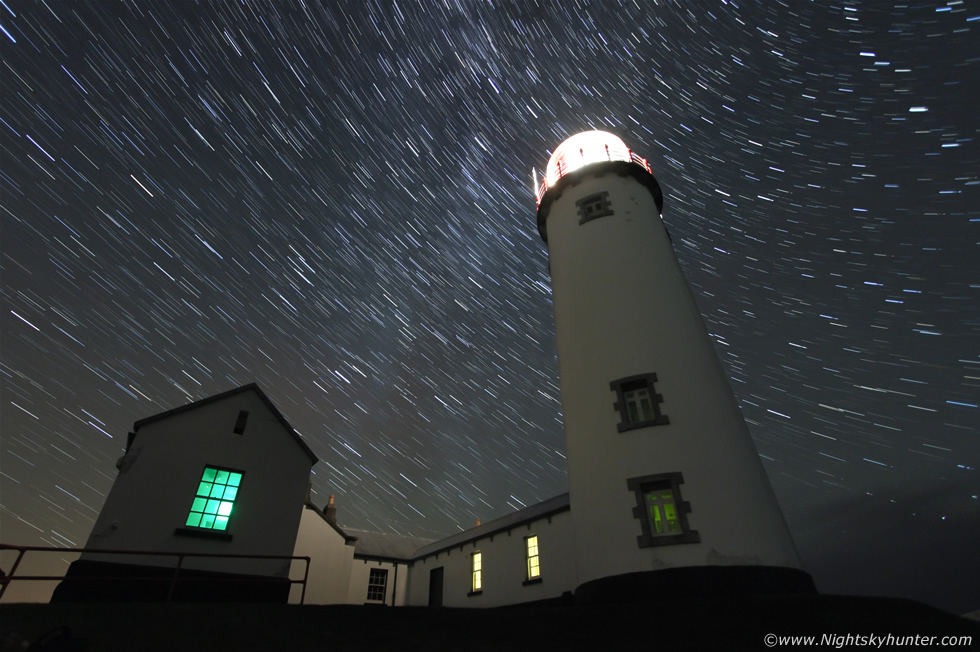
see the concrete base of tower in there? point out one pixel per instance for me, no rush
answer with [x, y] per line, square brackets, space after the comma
[695, 582]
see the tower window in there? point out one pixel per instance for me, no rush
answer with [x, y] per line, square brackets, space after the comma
[593, 206]
[533, 562]
[240, 422]
[377, 584]
[638, 403]
[661, 511]
[216, 494]
[476, 560]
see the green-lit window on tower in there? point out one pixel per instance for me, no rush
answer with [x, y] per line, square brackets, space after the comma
[661, 510]
[215, 499]
[663, 513]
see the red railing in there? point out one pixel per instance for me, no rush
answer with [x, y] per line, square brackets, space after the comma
[21, 550]
[564, 168]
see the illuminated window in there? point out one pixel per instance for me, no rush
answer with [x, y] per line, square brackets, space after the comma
[377, 584]
[215, 498]
[477, 564]
[533, 561]
[661, 511]
[593, 206]
[638, 404]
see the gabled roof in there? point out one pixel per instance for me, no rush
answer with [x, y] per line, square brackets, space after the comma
[544, 509]
[386, 545]
[218, 397]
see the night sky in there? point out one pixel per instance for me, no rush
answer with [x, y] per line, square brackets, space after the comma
[334, 200]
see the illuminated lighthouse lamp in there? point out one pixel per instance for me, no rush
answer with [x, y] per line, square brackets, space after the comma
[584, 149]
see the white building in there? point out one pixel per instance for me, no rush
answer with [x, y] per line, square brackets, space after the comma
[226, 475]
[522, 557]
[667, 495]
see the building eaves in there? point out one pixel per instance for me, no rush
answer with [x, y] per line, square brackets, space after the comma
[537, 512]
[386, 545]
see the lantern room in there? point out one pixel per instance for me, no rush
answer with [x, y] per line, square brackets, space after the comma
[583, 149]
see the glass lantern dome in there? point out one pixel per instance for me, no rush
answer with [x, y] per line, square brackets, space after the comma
[583, 149]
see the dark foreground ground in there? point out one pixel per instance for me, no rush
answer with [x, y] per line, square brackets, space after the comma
[728, 623]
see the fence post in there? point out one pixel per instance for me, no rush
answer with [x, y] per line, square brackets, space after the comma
[173, 580]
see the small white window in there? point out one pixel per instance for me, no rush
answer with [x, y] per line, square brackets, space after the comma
[377, 585]
[638, 404]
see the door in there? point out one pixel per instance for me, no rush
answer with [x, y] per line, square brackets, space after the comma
[435, 587]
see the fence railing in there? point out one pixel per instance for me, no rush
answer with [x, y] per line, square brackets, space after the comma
[11, 575]
[564, 168]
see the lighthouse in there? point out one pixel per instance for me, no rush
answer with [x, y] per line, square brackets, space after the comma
[667, 492]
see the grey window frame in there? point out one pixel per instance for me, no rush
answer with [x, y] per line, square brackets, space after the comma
[632, 383]
[594, 206]
[643, 485]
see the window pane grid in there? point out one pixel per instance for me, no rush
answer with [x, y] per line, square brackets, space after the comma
[377, 584]
[663, 514]
[638, 402]
[639, 405]
[533, 561]
[216, 493]
[477, 572]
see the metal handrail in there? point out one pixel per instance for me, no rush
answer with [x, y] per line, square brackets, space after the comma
[563, 170]
[22, 550]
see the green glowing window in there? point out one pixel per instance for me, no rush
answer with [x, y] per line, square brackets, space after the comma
[661, 510]
[663, 515]
[215, 498]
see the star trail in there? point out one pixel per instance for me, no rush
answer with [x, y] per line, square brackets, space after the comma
[335, 200]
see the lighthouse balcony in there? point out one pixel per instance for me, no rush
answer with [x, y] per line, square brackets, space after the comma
[585, 149]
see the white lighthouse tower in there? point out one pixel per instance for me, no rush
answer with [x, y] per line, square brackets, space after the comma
[667, 491]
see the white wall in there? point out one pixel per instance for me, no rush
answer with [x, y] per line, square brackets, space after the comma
[396, 587]
[153, 492]
[503, 557]
[623, 308]
[330, 561]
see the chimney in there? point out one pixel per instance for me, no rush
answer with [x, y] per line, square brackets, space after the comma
[330, 512]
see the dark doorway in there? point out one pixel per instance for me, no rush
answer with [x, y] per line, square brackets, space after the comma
[435, 587]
